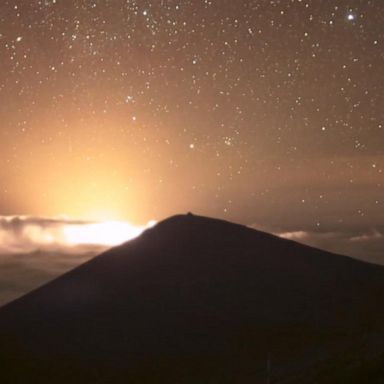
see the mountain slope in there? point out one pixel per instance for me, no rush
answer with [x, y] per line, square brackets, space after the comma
[197, 299]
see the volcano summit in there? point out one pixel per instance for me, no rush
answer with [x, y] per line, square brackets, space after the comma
[196, 299]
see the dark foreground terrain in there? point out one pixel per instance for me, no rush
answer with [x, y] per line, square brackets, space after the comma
[198, 300]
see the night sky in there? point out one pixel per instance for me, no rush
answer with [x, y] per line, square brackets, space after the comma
[267, 113]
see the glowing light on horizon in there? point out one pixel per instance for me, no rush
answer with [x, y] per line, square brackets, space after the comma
[25, 234]
[108, 233]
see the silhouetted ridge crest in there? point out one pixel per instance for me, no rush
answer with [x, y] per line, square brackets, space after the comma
[194, 299]
[191, 225]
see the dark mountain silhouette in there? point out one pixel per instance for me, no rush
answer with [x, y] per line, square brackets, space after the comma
[200, 300]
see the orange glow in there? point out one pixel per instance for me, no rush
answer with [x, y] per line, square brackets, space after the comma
[25, 234]
[107, 233]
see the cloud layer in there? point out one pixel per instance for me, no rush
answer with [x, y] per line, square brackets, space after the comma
[22, 234]
[361, 242]
[34, 250]
[23, 272]
[367, 245]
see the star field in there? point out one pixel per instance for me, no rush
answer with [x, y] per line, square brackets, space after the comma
[267, 112]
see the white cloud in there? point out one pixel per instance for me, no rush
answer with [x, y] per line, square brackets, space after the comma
[360, 242]
[373, 235]
[22, 234]
[295, 235]
[34, 250]
[356, 242]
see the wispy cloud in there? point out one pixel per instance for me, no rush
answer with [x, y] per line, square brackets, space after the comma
[373, 235]
[307, 235]
[34, 250]
[367, 245]
[360, 242]
[23, 234]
